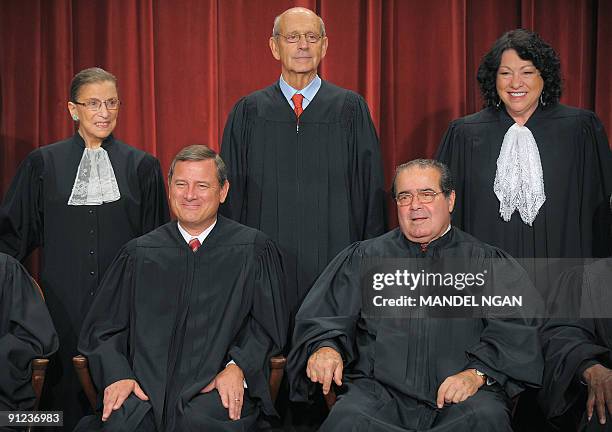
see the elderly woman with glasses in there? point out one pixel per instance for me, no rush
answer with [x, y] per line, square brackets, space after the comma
[533, 175]
[80, 200]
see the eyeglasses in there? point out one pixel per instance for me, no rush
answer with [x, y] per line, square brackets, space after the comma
[295, 37]
[96, 104]
[424, 197]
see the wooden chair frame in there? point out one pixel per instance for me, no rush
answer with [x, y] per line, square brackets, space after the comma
[39, 368]
[81, 366]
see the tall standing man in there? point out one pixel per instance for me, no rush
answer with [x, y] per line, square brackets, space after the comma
[304, 158]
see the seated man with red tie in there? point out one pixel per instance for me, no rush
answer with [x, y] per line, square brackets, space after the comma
[183, 326]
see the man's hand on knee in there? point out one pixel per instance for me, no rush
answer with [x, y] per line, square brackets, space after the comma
[116, 393]
[324, 365]
[230, 385]
[599, 379]
[459, 387]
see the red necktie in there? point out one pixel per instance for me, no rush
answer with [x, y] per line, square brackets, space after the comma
[194, 244]
[424, 247]
[297, 103]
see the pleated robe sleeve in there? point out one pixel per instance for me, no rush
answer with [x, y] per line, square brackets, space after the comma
[509, 350]
[26, 332]
[154, 205]
[367, 179]
[597, 186]
[264, 332]
[21, 211]
[104, 337]
[569, 341]
[327, 317]
[567, 344]
[467, 143]
[453, 153]
[234, 152]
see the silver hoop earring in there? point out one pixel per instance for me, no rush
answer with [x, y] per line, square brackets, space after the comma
[542, 100]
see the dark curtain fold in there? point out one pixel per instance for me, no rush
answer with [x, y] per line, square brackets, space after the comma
[182, 64]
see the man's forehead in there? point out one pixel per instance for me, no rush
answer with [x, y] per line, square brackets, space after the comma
[201, 167]
[195, 163]
[298, 20]
[418, 178]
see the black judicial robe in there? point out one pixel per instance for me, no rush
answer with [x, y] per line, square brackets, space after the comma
[26, 332]
[578, 336]
[313, 190]
[407, 359]
[577, 167]
[171, 319]
[78, 242]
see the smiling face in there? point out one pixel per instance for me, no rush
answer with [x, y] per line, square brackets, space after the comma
[299, 61]
[95, 126]
[422, 223]
[195, 194]
[519, 85]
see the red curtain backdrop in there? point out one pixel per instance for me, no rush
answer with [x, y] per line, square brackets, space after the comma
[182, 64]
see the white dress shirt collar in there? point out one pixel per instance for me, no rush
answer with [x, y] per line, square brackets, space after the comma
[200, 236]
[309, 92]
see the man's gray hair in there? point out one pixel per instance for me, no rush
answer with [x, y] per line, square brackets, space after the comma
[276, 28]
[199, 152]
[446, 179]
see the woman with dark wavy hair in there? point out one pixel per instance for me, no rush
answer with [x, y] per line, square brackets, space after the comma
[533, 175]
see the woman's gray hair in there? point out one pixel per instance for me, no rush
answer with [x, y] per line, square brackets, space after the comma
[89, 76]
[199, 152]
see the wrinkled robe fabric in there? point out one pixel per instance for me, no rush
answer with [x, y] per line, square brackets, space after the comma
[578, 336]
[314, 189]
[171, 319]
[577, 167]
[78, 242]
[394, 366]
[26, 332]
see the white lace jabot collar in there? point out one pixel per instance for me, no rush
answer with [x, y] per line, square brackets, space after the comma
[519, 180]
[95, 181]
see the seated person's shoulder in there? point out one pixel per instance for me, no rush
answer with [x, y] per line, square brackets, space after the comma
[9, 266]
[382, 246]
[7, 261]
[381, 242]
[235, 233]
[472, 245]
[159, 237]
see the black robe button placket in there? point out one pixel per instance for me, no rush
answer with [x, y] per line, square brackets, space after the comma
[93, 261]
